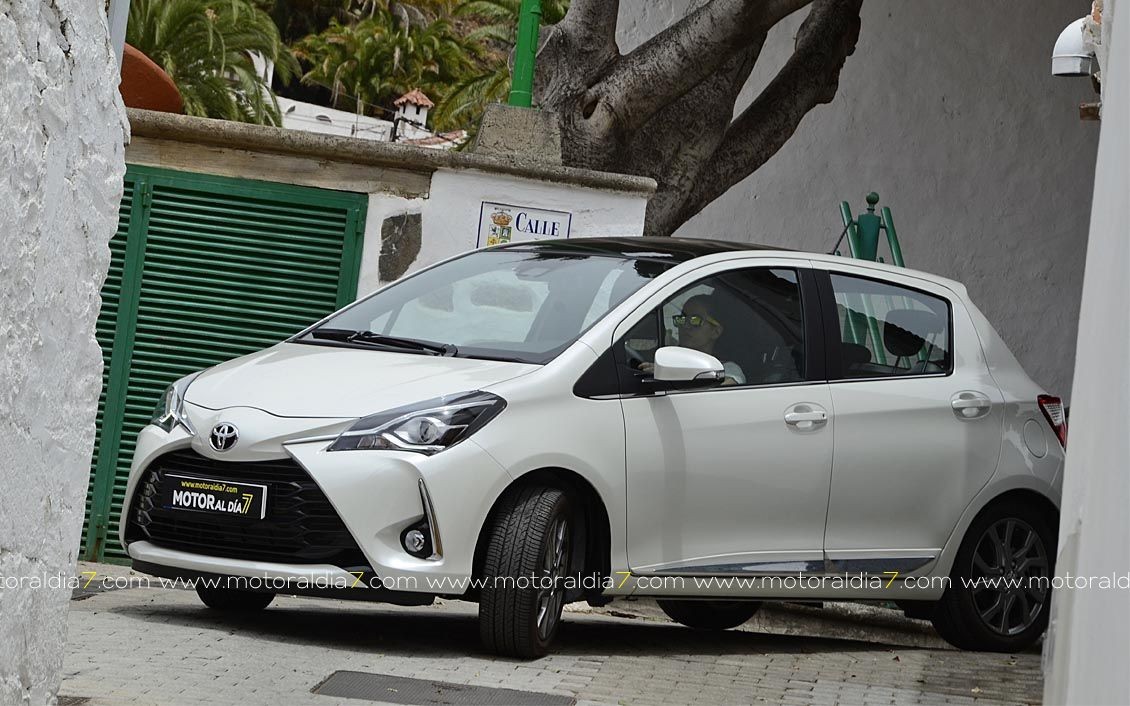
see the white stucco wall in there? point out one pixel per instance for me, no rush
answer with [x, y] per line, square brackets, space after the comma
[457, 197]
[450, 213]
[950, 112]
[61, 134]
[1088, 648]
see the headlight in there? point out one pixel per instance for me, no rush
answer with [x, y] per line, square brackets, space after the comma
[170, 408]
[427, 428]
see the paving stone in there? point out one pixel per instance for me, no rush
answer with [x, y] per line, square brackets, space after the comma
[161, 646]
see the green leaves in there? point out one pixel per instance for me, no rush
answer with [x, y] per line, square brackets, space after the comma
[381, 56]
[366, 52]
[206, 47]
[455, 51]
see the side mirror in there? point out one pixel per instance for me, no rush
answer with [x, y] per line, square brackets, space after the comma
[678, 368]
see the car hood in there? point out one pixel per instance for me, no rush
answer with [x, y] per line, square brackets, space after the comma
[300, 380]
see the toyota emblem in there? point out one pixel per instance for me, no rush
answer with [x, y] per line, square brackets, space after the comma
[223, 437]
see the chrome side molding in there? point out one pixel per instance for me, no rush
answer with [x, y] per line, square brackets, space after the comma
[877, 566]
[433, 528]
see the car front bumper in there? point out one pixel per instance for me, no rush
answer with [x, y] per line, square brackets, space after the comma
[376, 494]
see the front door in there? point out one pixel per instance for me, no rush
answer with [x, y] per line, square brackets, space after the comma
[732, 479]
[918, 422]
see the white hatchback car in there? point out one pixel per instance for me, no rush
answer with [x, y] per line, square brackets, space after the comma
[707, 423]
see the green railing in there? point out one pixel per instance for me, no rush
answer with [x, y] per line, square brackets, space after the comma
[863, 243]
[863, 232]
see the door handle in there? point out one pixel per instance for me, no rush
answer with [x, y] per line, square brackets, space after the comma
[798, 417]
[805, 417]
[970, 404]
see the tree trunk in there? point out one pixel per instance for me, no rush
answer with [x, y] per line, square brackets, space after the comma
[665, 110]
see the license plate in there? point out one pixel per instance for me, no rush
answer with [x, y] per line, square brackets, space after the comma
[217, 497]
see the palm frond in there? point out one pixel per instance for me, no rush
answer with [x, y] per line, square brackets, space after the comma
[206, 47]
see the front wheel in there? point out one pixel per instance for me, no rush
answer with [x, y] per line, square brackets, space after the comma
[529, 546]
[233, 599]
[710, 615]
[999, 595]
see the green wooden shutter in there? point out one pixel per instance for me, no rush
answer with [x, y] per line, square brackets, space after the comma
[229, 267]
[104, 332]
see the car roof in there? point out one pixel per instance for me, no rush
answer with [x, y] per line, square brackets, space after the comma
[679, 250]
[675, 250]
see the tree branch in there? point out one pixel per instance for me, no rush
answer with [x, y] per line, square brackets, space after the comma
[673, 145]
[594, 20]
[679, 58]
[574, 51]
[809, 78]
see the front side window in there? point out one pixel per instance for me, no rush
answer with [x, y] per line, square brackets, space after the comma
[887, 330]
[750, 320]
[510, 304]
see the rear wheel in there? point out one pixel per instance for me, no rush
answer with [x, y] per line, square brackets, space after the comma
[999, 595]
[233, 599]
[710, 615]
[527, 560]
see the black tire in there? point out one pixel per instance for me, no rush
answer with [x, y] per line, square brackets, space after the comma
[710, 615]
[917, 610]
[233, 599]
[1004, 619]
[524, 541]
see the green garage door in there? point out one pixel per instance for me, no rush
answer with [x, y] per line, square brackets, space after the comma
[205, 269]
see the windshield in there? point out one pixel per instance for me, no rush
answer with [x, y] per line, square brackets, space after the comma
[508, 304]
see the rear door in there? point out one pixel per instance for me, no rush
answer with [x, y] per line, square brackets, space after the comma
[918, 418]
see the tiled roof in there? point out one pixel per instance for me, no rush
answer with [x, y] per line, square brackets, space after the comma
[444, 138]
[414, 97]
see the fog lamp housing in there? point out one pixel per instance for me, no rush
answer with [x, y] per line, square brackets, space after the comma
[417, 540]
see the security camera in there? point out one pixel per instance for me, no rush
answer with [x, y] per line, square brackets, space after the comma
[1072, 56]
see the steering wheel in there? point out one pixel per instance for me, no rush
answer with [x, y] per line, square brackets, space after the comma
[635, 359]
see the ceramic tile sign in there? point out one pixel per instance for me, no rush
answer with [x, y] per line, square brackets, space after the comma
[505, 223]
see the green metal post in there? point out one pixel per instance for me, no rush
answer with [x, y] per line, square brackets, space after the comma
[892, 237]
[849, 223]
[525, 54]
[896, 256]
[863, 242]
[868, 227]
[852, 231]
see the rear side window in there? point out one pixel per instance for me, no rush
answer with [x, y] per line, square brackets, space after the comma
[891, 331]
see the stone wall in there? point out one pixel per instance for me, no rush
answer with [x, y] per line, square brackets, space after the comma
[447, 221]
[948, 110]
[61, 133]
[424, 205]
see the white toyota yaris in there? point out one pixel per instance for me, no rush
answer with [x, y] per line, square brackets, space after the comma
[707, 423]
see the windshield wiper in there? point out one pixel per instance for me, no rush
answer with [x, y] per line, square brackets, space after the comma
[500, 358]
[377, 339]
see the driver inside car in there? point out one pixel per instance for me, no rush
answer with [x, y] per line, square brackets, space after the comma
[700, 329]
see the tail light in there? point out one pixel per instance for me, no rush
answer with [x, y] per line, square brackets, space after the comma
[1052, 407]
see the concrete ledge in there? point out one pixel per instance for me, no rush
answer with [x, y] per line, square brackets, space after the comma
[509, 133]
[259, 138]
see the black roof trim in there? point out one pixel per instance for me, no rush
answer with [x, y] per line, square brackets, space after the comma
[665, 249]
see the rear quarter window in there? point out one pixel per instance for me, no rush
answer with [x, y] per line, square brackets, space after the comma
[887, 330]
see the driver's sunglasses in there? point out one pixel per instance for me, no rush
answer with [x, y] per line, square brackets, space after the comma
[684, 320]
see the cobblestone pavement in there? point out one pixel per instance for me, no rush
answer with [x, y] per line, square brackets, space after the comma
[161, 646]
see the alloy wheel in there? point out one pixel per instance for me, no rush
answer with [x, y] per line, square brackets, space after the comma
[1010, 576]
[551, 592]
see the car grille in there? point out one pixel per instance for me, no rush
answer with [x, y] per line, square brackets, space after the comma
[301, 526]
